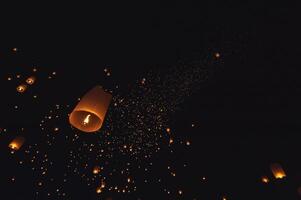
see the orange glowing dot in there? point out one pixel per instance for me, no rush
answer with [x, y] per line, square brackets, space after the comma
[21, 88]
[15, 49]
[168, 130]
[265, 179]
[96, 170]
[217, 55]
[31, 80]
[98, 190]
[171, 141]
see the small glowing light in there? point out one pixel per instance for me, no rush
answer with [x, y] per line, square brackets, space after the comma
[86, 120]
[217, 55]
[56, 129]
[129, 180]
[34, 69]
[171, 141]
[180, 192]
[98, 190]
[187, 143]
[21, 88]
[18, 75]
[53, 73]
[9, 78]
[204, 178]
[30, 80]
[168, 130]
[265, 179]
[103, 184]
[224, 198]
[96, 170]
[15, 49]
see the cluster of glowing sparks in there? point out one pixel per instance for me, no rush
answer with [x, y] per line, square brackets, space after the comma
[136, 128]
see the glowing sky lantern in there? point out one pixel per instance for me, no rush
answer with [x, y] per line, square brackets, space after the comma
[265, 179]
[96, 170]
[21, 88]
[277, 171]
[89, 113]
[30, 80]
[17, 143]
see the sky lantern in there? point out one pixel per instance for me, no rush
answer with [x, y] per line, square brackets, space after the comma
[98, 190]
[96, 170]
[17, 143]
[31, 80]
[277, 171]
[265, 179]
[89, 114]
[21, 88]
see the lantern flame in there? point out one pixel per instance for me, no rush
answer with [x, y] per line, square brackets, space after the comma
[87, 120]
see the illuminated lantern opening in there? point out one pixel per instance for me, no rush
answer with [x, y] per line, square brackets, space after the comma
[21, 88]
[89, 113]
[31, 80]
[277, 171]
[17, 143]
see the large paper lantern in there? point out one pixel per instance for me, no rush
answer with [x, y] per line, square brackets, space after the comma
[89, 113]
[17, 143]
[277, 171]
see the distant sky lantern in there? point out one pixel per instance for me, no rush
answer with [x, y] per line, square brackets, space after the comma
[277, 171]
[96, 170]
[217, 55]
[89, 114]
[265, 179]
[31, 80]
[21, 88]
[17, 143]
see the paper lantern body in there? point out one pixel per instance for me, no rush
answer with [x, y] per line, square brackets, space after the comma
[90, 112]
[277, 171]
[17, 143]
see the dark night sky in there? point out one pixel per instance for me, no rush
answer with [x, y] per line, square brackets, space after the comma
[246, 113]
